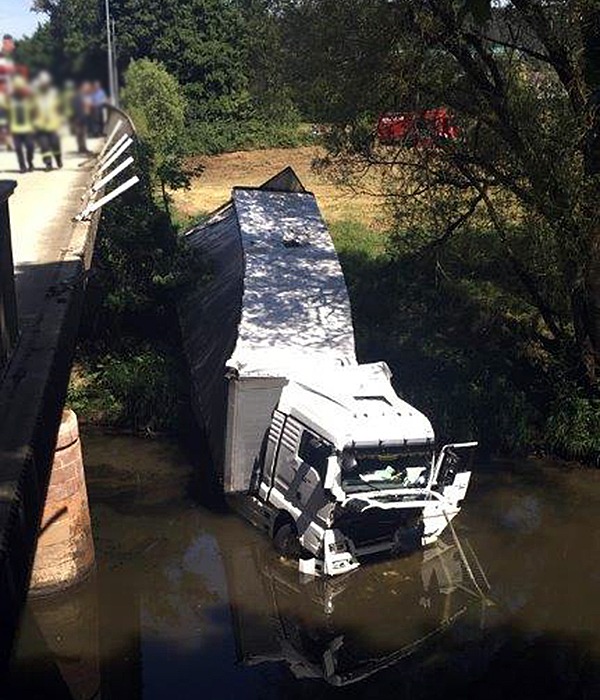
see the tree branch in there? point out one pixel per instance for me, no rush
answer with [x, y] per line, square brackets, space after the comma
[454, 225]
[518, 47]
[526, 278]
[535, 17]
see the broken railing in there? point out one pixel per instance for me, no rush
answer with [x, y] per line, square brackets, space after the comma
[8, 306]
[116, 158]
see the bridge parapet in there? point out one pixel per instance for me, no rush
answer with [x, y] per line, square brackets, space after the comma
[8, 303]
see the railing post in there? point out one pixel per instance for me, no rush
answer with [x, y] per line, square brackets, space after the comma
[8, 303]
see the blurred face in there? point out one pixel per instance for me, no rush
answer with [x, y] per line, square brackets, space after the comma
[8, 45]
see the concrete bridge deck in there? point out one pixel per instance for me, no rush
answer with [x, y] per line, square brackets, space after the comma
[41, 212]
[51, 254]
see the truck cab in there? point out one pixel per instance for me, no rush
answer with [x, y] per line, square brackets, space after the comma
[348, 470]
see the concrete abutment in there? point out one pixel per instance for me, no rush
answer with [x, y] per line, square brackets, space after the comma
[65, 548]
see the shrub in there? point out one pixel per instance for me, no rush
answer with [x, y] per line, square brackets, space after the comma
[573, 426]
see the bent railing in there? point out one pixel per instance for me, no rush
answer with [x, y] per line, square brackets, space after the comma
[8, 305]
[119, 144]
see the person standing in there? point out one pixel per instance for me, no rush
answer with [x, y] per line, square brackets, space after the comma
[7, 64]
[21, 114]
[99, 99]
[48, 120]
[81, 112]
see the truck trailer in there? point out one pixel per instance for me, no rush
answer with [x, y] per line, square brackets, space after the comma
[308, 444]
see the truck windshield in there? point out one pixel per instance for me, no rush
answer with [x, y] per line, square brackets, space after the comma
[367, 470]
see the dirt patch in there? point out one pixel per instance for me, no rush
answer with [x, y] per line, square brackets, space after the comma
[252, 168]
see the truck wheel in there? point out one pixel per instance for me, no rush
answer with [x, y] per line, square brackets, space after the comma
[285, 541]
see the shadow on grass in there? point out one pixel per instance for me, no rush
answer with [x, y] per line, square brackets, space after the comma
[457, 351]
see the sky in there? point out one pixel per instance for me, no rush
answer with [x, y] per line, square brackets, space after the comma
[17, 19]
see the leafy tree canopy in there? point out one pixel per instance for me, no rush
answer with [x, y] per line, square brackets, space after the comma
[224, 54]
[154, 99]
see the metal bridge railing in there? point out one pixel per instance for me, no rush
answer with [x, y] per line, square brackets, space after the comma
[9, 328]
[114, 159]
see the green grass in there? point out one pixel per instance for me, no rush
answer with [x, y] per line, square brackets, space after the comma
[356, 238]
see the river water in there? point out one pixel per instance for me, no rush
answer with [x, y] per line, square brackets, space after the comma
[191, 602]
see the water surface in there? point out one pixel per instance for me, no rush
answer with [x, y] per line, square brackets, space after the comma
[191, 602]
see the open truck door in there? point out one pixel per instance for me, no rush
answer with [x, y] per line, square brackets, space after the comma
[453, 460]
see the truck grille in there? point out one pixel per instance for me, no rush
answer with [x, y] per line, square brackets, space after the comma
[377, 525]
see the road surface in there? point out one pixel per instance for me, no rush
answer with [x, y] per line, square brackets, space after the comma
[44, 203]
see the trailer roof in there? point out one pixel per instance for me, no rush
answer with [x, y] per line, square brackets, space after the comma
[295, 306]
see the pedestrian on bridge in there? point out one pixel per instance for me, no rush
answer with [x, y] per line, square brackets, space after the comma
[21, 113]
[48, 120]
[99, 100]
[82, 109]
[7, 64]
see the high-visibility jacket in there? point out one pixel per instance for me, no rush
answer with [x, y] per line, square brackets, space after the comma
[21, 112]
[48, 111]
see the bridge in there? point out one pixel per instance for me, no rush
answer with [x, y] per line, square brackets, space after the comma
[48, 225]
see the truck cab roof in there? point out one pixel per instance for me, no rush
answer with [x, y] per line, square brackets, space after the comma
[354, 406]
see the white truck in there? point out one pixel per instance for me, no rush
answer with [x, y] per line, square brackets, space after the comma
[311, 446]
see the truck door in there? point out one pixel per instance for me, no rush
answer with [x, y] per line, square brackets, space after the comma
[285, 470]
[312, 457]
[299, 473]
[312, 498]
[452, 460]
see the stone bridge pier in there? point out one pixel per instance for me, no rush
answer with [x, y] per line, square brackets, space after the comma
[64, 553]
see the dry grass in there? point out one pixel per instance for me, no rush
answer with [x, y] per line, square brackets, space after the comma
[252, 168]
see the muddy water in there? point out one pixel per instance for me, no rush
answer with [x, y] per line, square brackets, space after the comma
[189, 602]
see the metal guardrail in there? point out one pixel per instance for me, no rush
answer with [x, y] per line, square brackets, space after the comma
[121, 136]
[9, 328]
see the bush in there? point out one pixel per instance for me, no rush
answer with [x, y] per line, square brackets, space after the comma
[140, 389]
[211, 138]
[573, 426]
[129, 370]
[155, 102]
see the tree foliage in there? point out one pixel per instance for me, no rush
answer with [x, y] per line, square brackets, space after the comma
[154, 100]
[505, 217]
[225, 55]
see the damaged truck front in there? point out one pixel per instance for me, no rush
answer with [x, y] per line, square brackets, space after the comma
[312, 447]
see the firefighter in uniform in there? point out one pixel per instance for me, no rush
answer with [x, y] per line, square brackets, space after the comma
[48, 120]
[21, 113]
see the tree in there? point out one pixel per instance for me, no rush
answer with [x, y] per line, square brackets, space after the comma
[339, 56]
[154, 99]
[36, 52]
[73, 37]
[198, 41]
[520, 84]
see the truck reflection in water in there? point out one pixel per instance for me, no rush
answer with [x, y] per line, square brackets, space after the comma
[342, 630]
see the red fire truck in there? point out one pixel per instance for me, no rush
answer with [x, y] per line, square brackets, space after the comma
[422, 128]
